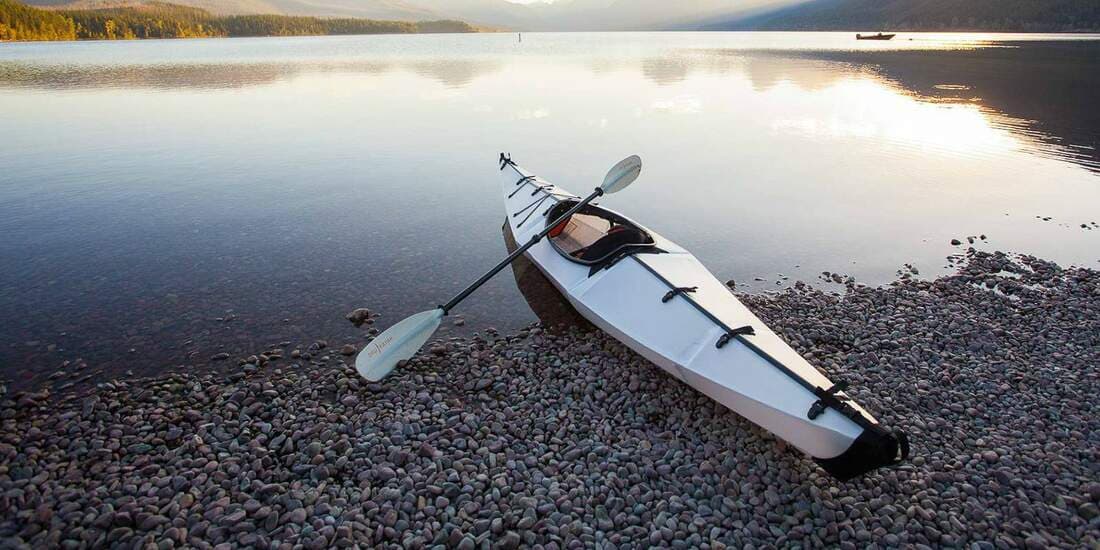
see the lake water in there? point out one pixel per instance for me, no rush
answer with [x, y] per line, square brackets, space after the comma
[148, 189]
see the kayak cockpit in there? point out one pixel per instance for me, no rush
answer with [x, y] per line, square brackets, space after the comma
[594, 235]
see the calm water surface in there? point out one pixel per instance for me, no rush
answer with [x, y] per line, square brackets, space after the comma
[149, 188]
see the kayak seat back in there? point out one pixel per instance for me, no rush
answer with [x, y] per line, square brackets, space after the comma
[618, 238]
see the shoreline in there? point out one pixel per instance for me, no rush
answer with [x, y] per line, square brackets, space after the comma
[568, 437]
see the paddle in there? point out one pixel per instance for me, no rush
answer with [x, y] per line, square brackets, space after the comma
[404, 339]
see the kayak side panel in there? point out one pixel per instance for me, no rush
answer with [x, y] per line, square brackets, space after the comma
[685, 270]
[626, 299]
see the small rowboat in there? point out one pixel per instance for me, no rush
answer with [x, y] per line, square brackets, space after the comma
[878, 36]
[659, 300]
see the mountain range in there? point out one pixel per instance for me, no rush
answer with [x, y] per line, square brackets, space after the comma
[613, 15]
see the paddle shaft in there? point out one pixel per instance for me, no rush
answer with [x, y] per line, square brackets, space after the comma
[519, 251]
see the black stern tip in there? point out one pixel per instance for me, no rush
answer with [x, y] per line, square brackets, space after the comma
[874, 448]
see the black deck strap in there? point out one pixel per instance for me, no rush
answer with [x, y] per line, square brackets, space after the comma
[519, 185]
[676, 292]
[627, 252]
[826, 398]
[529, 206]
[532, 212]
[746, 330]
[505, 160]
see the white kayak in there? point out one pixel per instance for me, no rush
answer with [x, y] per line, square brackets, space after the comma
[658, 299]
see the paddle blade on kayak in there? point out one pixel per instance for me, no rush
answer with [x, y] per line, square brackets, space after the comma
[396, 344]
[622, 174]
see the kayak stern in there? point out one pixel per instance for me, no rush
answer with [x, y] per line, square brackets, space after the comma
[874, 448]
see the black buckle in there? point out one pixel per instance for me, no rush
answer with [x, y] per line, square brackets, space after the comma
[826, 399]
[678, 290]
[746, 330]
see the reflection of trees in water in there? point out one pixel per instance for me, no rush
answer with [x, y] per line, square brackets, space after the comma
[1043, 92]
[454, 73]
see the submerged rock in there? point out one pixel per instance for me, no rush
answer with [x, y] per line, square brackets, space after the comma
[359, 316]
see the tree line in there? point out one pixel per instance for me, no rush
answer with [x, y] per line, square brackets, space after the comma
[161, 20]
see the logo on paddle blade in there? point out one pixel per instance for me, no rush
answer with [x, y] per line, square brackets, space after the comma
[375, 348]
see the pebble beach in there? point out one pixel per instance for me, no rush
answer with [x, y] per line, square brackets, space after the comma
[567, 439]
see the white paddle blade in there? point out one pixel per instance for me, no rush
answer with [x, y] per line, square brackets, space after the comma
[622, 174]
[397, 343]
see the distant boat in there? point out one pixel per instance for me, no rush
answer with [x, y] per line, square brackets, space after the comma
[878, 36]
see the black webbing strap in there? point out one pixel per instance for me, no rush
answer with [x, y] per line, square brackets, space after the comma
[746, 330]
[677, 291]
[519, 184]
[827, 398]
[505, 160]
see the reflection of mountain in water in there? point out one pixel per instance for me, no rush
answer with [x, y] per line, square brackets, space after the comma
[1042, 92]
[666, 70]
[765, 73]
[764, 70]
[453, 73]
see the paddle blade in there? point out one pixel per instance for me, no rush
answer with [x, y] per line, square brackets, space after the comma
[622, 174]
[397, 343]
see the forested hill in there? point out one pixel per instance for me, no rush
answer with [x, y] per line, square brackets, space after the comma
[160, 20]
[927, 15]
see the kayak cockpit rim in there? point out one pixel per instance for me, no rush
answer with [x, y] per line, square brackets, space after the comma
[622, 236]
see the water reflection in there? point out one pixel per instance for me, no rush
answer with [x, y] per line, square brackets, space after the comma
[151, 189]
[454, 73]
[1045, 92]
[1042, 92]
